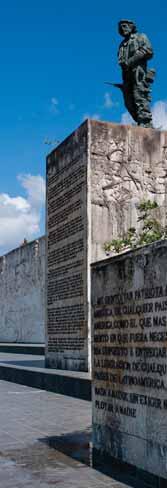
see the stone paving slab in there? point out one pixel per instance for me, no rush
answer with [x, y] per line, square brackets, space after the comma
[29, 420]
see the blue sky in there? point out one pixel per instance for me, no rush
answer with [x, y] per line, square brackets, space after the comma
[54, 59]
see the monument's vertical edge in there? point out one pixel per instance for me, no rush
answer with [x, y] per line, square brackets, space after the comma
[67, 292]
[46, 264]
[89, 244]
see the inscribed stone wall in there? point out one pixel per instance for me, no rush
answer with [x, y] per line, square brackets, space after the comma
[129, 314]
[22, 294]
[67, 289]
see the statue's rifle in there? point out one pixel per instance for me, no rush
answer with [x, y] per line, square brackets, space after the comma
[117, 85]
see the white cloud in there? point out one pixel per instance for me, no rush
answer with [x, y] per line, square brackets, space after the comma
[12, 203]
[159, 113]
[19, 216]
[108, 103]
[54, 105]
[94, 116]
[54, 101]
[126, 119]
[35, 187]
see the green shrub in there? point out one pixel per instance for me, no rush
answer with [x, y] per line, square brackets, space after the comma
[151, 231]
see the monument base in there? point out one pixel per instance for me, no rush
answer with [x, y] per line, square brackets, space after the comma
[74, 363]
[124, 472]
[129, 296]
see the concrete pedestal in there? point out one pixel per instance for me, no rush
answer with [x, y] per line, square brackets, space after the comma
[95, 179]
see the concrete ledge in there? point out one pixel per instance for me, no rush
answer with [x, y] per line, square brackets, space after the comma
[13, 348]
[63, 382]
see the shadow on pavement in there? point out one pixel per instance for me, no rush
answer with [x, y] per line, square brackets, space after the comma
[78, 446]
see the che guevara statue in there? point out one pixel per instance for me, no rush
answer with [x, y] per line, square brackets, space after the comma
[134, 52]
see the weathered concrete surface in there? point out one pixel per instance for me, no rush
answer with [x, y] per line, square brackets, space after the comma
[22, 294]
[128, 164]
[129, 314]
[95, 179]
[67, 254]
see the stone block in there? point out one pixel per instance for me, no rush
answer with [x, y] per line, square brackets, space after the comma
[129, 319]
[22, 294]
[95, 179]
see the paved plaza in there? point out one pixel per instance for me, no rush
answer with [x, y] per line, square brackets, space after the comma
[44, 440]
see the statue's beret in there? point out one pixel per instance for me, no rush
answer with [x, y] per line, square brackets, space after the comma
[126, 21]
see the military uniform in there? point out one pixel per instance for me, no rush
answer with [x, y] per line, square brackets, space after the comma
[134, 52]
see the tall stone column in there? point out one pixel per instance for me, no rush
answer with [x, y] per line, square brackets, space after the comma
[95, 179]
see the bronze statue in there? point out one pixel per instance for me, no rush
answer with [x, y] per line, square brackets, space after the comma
[134, 52]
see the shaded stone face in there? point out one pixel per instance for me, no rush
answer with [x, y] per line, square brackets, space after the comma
[129, 316]
[67, 317]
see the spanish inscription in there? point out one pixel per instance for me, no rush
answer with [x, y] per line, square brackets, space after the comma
[130, 365]
[126, 331]
[67, 255]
